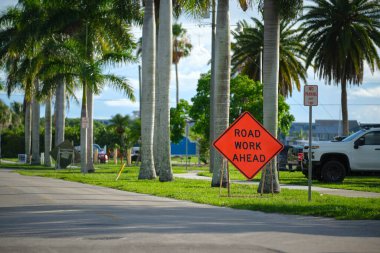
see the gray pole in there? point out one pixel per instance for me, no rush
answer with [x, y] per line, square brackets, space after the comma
[212, 84]
[187, 136]
[0, 145]
[309, 156]
[140, 89]
[261, 65]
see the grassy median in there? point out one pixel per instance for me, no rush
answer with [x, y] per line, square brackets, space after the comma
[243, 196]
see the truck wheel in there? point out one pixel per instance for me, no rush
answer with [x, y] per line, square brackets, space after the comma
[333, 171]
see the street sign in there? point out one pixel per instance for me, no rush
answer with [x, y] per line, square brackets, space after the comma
[310, 98]
[310, 95]
[248, 145]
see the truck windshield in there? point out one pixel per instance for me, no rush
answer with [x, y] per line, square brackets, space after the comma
[353, 136]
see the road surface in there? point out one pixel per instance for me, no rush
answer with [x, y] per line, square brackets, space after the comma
[49, 215]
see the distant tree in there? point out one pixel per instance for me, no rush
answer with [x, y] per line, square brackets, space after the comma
[246, 95]
[178, 117]
[119, 125]
[248, 45]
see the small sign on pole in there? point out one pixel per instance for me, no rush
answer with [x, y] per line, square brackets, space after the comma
[310, 95]
[310, 98]
[84, 122]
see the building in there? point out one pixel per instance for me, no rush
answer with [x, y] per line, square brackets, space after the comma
[322, 130]
[180, 148]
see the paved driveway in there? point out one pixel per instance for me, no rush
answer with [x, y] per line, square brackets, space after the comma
[48, 215]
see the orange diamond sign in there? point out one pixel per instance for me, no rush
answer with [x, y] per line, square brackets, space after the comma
[248, 145]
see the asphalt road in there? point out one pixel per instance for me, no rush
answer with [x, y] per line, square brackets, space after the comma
[48, 215]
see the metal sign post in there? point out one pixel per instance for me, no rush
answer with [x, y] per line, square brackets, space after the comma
[310, 99]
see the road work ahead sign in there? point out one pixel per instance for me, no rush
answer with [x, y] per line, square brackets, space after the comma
[248, 145]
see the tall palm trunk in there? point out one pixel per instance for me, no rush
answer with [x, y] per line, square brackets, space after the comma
[222, 87]
[28, 130]
[270, 182]
[165, 56]
[156, 147]
[60, 113]
[212, 88]
[48, 133]
[90, 131]
[36, 159]
[176, 83]
[147, 170]
[83, 132]
[344, 108]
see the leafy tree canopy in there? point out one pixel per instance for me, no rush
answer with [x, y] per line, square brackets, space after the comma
[178, 116]
[246, 95]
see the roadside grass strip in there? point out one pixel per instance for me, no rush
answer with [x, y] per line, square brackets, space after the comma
[199, 191]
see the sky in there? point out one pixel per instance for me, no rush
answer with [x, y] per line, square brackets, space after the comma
[363, 100]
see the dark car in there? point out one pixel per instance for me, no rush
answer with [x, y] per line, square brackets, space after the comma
[295, 157]
[290, 158]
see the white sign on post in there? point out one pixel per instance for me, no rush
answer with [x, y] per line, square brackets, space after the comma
[310, 95]
[310, 98]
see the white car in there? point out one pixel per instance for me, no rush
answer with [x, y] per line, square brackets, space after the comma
[332, 161]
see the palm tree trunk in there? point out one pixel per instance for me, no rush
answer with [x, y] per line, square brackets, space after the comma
[83, 132]
[28, 130]
[165, 55]
[222, 89]
[90, 131]
[344, 108]
[147, 170]
[36, 159]
[156, 147]
[176, 84]
[269, 181]
[48, 135]
[60, 113]
[212, 88]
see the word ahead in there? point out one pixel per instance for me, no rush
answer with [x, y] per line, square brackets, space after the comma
[248, 145]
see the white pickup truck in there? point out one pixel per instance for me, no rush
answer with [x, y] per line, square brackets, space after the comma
[332, 161]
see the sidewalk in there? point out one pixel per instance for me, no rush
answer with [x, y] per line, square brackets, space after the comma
[321, 190]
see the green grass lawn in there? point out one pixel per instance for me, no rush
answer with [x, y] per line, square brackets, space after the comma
[357, 183]
[243, 196]
[10, 159]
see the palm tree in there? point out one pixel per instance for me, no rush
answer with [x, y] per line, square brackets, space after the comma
[147, 170]
[102, 27]
[222, 89]
[181, 48]
[48, 133]
[247, 50]
[272, 11]
[165, 57]
[36, 159]
[119, 123]
[341, 35]
[60, 113]
[18, 37]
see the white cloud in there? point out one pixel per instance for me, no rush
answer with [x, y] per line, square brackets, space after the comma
[365, 92]
[365, 114]
[122, 103]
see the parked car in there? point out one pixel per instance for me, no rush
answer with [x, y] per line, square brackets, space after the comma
[135, 154]
[290, 158]
[332, 161]
[102, 154]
